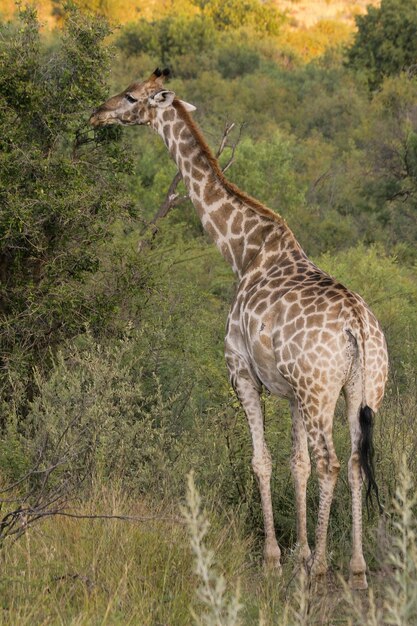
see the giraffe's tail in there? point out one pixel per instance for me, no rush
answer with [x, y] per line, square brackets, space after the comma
[366, 454]
[366, 422]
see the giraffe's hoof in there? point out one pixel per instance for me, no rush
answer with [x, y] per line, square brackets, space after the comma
[357, 581]
[317, 570]
[272, 559]
[303, 556]
[272, 566]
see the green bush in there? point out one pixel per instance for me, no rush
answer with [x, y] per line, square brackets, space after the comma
[60, 190]
[169, 38]
[263, 17]
[265, 169]
[236, 60]
[385, 42]
[107, 415]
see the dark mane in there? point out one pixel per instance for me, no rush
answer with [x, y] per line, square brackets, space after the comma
[252, 203]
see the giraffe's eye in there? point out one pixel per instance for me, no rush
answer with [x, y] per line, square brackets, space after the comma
[130, 98]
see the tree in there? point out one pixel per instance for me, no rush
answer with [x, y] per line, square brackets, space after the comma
[169, 38]
[59, 189]
[232, 14]
[386, 42]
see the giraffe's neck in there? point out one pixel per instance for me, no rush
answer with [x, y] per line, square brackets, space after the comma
[238, 228]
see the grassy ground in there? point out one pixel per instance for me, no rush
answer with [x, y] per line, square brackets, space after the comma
[99, 571]
[72, 571]
[149, 573]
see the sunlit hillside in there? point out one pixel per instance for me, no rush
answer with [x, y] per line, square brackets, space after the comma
[306, 13]
[115, 10]
[309, 29]
[313, 26]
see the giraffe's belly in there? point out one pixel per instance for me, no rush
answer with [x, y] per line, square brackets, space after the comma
[275, 383]
[263, 359]
[254, 355]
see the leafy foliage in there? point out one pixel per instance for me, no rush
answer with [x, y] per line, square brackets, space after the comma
[385, 42]
[169, 37]
[232, 14]
[59, 200]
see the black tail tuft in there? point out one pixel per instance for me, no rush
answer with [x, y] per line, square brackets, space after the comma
[366, 454]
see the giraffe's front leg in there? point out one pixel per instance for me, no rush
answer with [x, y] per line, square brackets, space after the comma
[248, 393]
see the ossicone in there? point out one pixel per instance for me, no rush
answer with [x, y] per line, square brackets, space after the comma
[158, 73]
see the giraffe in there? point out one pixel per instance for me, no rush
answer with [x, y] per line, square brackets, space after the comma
[292, 329]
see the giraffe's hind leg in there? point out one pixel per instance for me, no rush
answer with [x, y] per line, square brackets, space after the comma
[357, 567]
[319, 433]
[301, 469]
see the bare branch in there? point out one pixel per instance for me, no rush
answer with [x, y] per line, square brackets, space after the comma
[16, 523]
[125, 518]
[228, 127]
[41, 497]
[164, 209]
[171, 195]
[233, 147]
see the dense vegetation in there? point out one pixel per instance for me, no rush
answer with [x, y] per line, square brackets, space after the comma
[112, 380]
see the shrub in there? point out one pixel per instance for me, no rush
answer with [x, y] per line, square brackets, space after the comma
[236, 60]
[385, 42]
[169, 38]
[60, 190]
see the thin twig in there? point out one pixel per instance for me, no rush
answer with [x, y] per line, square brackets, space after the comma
[126, 518]
[228, 127]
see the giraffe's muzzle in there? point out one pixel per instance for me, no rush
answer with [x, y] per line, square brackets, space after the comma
[94, 118]
[100, 117]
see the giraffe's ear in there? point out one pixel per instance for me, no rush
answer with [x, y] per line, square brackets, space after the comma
[162, 99]
[187, 106]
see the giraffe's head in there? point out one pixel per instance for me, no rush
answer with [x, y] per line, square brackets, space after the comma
[138, 104]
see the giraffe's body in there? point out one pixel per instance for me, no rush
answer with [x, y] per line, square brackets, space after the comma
[291, 329]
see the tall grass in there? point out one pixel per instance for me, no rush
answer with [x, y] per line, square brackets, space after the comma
[196, 568]
[85, 571]
[95, 571]
[218, 610]
[99, 571]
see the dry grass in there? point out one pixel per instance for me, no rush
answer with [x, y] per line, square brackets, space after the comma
[85, 572]
[98, 572]
[71, 571]
[306, 13]
[313, 27]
